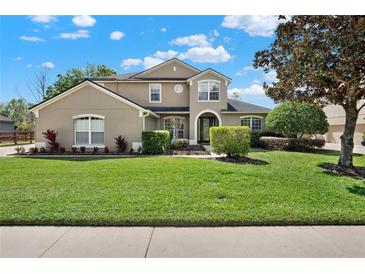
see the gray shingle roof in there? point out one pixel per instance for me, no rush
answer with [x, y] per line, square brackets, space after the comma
[234, 105]
[5, 119]
[168, 109]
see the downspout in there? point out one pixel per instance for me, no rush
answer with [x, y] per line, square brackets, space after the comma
[144, 120]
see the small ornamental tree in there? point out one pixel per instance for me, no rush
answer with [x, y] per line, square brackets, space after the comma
[295, 120]
[121, 143]
[320, 59]
[51, 137]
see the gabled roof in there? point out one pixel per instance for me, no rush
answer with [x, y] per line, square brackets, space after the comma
[5, 119]
[140, 74]
[96, 86]
[238, 106]
[169, 109]
[210, 70]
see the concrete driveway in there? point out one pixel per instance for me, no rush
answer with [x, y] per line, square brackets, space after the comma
[199, 242]
[11, 149]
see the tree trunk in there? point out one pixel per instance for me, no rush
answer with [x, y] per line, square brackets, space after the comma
[347, 138]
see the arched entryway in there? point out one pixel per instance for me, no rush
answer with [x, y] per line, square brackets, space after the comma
[204, 120]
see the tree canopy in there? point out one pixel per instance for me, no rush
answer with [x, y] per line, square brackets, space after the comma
[17, 110]
[75, 75]
[319, 59]
[297, 120]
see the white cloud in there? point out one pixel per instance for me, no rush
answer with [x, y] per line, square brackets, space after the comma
[244, 70]
[28, 66]
[116, 35]
[128, 63]
[32, 39]
[207, 55]
[75, 35]
[149, 62]
[84, 21]
[254, 89]
[165, 54]
[43, 18]
[254, 25]
[16, 58]
[200, 40]
[215, 33]
[270, 76]
[48, 65]
[163, 29]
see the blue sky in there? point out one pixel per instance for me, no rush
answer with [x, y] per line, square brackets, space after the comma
[133, 43]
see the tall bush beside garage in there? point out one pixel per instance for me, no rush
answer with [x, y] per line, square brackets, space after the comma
[155, 142]
[231, 140]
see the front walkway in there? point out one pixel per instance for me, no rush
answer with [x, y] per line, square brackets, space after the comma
[289, 241]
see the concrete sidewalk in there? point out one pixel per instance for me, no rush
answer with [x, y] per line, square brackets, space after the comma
[202, 242]
[11, 149]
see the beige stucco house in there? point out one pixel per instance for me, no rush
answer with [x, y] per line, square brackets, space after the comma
[173, 96]
[336, 120]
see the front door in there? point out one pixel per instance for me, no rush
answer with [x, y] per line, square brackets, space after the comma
[204, 124]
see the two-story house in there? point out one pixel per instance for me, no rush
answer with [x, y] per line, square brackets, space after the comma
[172, 95]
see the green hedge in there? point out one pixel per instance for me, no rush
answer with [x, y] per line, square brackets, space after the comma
[291, 144]
[231, 140]
[155, 142]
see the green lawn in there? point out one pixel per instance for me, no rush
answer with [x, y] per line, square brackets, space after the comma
[289, 189]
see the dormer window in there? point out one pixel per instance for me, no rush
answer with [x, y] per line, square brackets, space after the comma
[155, 93]
[208, 91]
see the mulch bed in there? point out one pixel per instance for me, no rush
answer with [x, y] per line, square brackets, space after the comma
[242, 160]
[355, 172]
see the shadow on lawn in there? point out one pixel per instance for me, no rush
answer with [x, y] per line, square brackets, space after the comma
[243, 160]
[335, 170]
[356, 189]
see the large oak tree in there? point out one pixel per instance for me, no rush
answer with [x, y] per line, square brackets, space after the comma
[320, 59]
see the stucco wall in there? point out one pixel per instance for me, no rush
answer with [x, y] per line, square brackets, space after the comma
[197, 107]
[335, 131]
[139, 93]
[120, 118]
[167, 71]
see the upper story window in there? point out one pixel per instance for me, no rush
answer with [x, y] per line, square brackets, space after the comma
[155, 93]
[208, 90]
[255, 123]
[89, 130]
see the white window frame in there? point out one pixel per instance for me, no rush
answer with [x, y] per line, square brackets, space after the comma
[150, 91]
[253, 116]
[209, 83]
[174, 117]
[89, 116]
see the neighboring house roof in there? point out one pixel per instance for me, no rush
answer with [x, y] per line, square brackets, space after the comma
[234, 105]
[116, 77]
[210, 70]
[5, 119]
[93, 84]
[169, 109]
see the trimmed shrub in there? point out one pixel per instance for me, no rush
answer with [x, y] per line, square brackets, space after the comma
[255, 136]
[231, 140]
[51, 137]
[42, 150]
[74, 149]
[291, 144]
[33, 150]
[295, 120]
[95, 150]
[20, 150]
[179, 143]
[155, 142]
[106, 150]
[62, 150]
[82, 149]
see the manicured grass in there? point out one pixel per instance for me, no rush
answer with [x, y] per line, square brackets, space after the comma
[289, 189]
